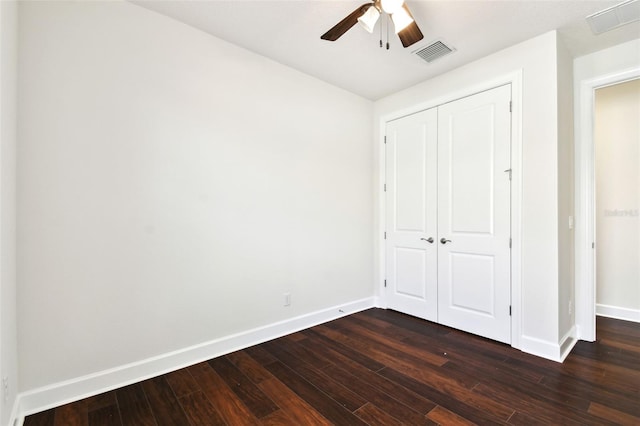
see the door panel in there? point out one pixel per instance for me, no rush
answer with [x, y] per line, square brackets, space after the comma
[470, 168]
[411, 216]
[474, 282]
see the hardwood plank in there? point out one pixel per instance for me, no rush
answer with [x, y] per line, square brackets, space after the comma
[520, 419]
[533, 410]
[259, 404]
[409, 414]
[292, 406]
[163, 402]
[134, 408]
[385, 355]
[249, 366]
[199, 410]
[628, 329]
[608, 413]
[374, 416]
[346, 352]
[182, 382]
[43, 418]
[326, 406]
[100, 401]
[488, 412]
[594, 393]
[550, 393]
[316, 377]
[74, 414]
[391, 347]
[445, 417]
[408, 322]
[277, 418]
[295, 337]
[622, 345]
[613, 355]
[360, 373]
[224, 400]
[260, 355]
[299, 352]
[105, 416]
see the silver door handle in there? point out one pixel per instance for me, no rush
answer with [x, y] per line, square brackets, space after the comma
[429, 240]
[444, 240]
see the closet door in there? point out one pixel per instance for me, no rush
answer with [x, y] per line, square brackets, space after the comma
[474, 281]
[411, 173]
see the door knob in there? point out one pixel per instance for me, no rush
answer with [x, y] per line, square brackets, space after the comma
[429, 240]
[444, 240]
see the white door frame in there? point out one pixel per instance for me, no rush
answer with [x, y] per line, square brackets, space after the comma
[585, 199]
[515, 79]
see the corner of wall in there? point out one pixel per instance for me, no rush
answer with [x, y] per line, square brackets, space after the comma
[8, 143]
[566, 292]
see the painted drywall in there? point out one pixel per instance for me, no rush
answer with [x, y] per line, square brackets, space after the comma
[617, 161]
[566, 248]
[172, 187]
[8, 140]
[537, 60]
[591, 71]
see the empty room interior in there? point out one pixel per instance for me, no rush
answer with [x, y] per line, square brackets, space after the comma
[319, 212]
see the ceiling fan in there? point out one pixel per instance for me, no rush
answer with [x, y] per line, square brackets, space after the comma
[367, 14]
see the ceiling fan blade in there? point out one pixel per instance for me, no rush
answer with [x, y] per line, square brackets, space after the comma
[412, 33]
[343, 26]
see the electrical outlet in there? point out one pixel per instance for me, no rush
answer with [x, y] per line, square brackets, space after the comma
[287, 299]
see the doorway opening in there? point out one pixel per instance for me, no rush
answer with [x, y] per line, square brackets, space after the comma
[586, 244]
[617, 200]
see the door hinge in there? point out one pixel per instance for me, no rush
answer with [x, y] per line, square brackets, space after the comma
[508, 171]
[385, 187]
[385, 139]
[510, 106]
[593, 245]
[509, 310]
[385, 235]
[385, 283]
[510, 242]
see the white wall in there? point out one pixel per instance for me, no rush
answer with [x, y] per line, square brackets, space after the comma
[8, 328]
[617, 155]
[539, 277]
[566, 248]
[172, 187]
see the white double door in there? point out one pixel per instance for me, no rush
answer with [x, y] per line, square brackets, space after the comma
[448, 214]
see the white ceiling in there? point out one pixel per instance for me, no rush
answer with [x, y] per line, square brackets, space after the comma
[289, 32]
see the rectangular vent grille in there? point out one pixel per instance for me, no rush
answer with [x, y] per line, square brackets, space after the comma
[614, 17]
[434, 51]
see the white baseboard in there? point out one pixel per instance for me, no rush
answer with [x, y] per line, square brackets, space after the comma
[61, 393]
[541, 348]
[568, 342]
[618, 313]
[550, 350]
[14, 416]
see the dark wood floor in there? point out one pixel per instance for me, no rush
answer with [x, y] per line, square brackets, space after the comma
[383, 368]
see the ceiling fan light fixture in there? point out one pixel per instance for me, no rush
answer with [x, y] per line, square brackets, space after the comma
[391, 6]
[401, 20]
[369, 18]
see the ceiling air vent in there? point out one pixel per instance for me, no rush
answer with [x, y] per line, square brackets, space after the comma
[614, 17]
[434, 51]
